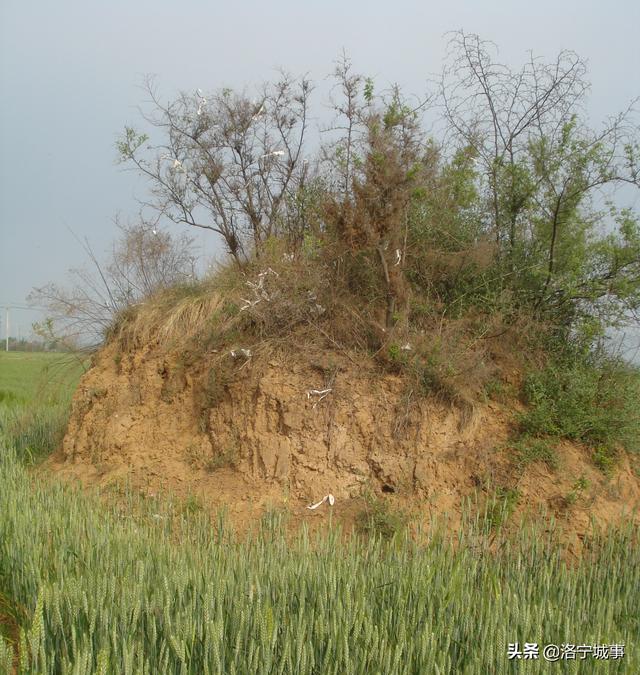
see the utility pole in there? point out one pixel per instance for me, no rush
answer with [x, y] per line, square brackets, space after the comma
[7, 327]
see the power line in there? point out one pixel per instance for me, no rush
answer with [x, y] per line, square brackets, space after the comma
[7, 329]
[18, 306]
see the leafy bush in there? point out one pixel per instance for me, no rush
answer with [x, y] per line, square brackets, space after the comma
[604, 458]
[590, 400]
[577, 491]
[227, 457]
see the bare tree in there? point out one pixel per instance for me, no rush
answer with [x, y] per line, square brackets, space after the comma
[349, 100]
[142, 261]
[228, 162]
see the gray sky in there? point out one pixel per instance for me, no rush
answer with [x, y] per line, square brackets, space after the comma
[70, 75]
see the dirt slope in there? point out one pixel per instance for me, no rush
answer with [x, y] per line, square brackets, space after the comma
[254, 433]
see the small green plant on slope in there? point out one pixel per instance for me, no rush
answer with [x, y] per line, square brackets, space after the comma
[380, 519]
[529, 449]
[578, 489]
[226, 458]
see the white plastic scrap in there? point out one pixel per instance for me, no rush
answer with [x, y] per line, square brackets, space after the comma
[258, 289]
[275, 153]
[249, 303]
[177, 164]
[320, 393]
[327, 498]
[202, 101]
[259, 114]
[398, 256]
[316, 306]
[406, 348]
[241, 352]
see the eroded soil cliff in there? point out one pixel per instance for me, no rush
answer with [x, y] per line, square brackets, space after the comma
[272, 430]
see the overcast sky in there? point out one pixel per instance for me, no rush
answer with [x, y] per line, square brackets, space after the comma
[70, 75]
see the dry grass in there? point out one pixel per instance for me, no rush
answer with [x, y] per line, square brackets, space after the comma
[306, 303]
[167, 317]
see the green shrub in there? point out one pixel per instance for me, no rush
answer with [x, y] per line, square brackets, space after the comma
[214, 385]
[225, 458]
[192, 504]
[593, 401]
[577, 491]
[605, 459]
[496, 389]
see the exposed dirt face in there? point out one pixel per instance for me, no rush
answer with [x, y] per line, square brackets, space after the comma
[265, 431]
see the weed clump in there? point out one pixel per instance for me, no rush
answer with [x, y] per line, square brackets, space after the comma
[501, 506]
[380, 519]
[530, 449]
[36, 432]
[226, 458]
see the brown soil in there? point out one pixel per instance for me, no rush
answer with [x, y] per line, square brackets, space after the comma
[253, 437]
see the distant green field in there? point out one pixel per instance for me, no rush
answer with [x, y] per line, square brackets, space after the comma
[43, 377]
[35, 394]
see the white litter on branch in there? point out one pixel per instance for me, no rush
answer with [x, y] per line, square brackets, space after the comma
[258, 289]
[202, 102]
[316, 306]
[249, 303]
[318, 392]
[259, 114]
[327, 498]
[275, 153]
[177, 164]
